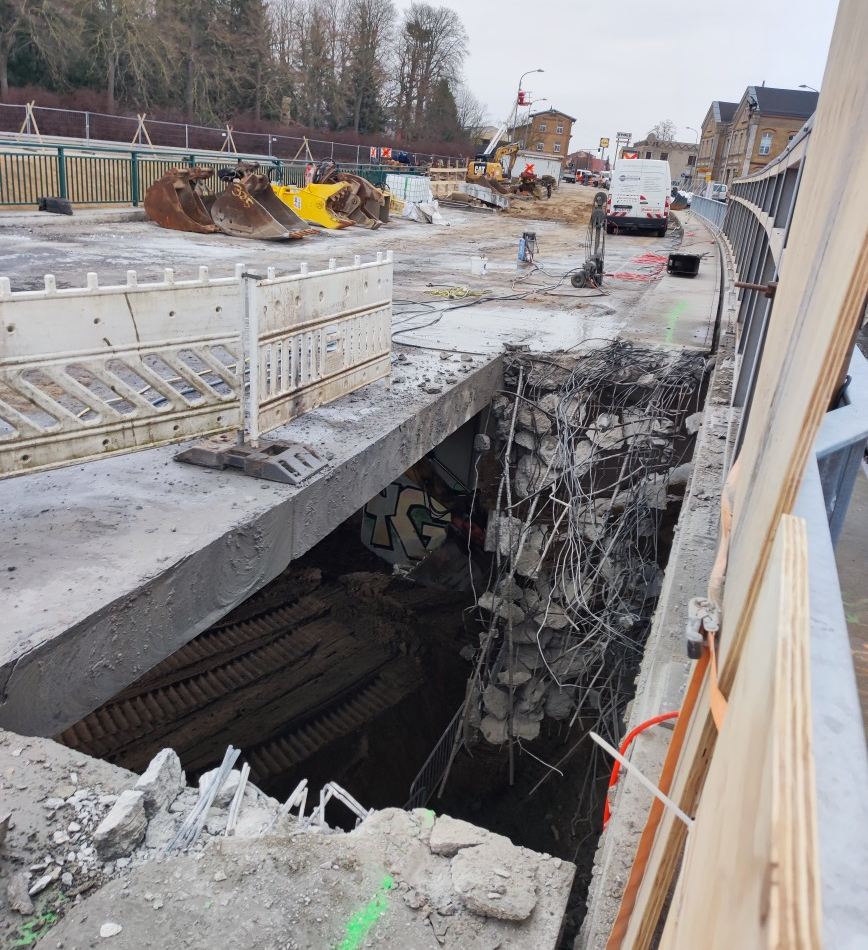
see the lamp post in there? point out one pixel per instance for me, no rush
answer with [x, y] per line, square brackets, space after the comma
[514, 116]
[803, 86]
[691, 129]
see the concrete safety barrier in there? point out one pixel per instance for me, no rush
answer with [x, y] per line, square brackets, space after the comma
[95, 371]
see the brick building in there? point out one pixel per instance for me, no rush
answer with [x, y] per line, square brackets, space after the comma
[587, 161]
[680, 155]
[765, 122]
[546, 132]
[712, 144]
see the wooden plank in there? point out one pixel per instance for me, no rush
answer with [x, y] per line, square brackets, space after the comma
[750, 877]
[820, 297]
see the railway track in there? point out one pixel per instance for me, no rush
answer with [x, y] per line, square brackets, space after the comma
[281, 685]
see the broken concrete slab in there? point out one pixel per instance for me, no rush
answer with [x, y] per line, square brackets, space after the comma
[494, 883]
[161, 782]
[123, 827]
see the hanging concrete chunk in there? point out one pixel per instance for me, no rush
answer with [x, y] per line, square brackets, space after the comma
[123, 827]
[494, 730]
[496, 702]
[161, 782]
[485, 891]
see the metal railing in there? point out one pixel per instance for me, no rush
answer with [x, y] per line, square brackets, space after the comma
[430, 775]
[94, 371]
[101, 127]
[754, 227]
[107, 175]
[709, 210]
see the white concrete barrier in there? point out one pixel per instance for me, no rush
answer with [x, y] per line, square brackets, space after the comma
[317, 336]
[96, 371]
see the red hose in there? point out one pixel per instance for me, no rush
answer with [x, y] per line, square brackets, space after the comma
[623, 750]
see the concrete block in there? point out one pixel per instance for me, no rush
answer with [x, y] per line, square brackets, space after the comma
[478, 876]
[123, 827]
[450, 835]
[496, 702]
[226, 792]
[162, 781]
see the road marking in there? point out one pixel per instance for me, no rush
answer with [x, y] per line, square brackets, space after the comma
[672, 322]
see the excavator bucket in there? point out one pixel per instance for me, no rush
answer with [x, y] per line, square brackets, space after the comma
[362, 203]
[317, 204]
[249, 208]
[371, 200]
[174, 201]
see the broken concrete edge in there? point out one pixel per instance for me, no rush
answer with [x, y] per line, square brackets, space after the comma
[439, 866]
[174, 606]
[665, 669]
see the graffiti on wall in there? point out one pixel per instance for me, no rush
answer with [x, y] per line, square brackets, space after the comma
[404, 523]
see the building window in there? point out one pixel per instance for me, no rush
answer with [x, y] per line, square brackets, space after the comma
[542, 127]
[561, 129]
[648, 155]
[664, 156]
[691, 161]
[540, 146]
[557, 146]
[766, 143]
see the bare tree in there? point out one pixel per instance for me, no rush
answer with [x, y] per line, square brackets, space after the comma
[370, 22]
[472, 114]
[432, 44]
[43, 26]
[665, 130]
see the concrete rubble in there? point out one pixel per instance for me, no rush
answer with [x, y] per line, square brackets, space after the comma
[77, 846]
[553, 433]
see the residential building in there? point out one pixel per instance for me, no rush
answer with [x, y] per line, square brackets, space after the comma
[765, 122]
[546, 132]
[713, 141]
[680, 155]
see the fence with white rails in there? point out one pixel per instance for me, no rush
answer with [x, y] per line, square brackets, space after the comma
[94, 371]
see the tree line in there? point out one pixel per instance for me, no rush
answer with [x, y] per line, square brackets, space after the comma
[339, 65]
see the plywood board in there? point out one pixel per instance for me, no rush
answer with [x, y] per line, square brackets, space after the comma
[750, 877]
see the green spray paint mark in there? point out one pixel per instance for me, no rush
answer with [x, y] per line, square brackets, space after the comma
[674, 314]
[360, 924]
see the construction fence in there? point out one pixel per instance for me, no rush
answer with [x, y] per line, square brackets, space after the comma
[94, 371]
[101, 127]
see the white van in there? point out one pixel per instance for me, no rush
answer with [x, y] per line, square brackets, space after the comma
[639, 196]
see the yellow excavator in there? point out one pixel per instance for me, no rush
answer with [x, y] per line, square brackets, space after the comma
[493, 167]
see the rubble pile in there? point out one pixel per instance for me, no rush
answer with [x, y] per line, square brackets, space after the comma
[594, 454]
[410, 877]
[97, 835]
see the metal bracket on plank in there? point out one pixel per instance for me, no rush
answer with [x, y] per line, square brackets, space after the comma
[277, 460]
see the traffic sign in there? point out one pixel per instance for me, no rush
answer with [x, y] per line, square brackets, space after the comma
[604, 143]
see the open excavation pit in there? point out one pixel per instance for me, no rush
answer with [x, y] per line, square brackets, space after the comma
[453, 643]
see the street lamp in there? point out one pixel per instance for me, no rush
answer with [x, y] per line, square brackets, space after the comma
[517, 97]
[691, 129]
[803, 86]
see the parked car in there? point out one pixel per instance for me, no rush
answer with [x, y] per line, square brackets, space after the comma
[569, 175]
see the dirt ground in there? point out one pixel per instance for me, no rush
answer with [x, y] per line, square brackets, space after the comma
[570, 204]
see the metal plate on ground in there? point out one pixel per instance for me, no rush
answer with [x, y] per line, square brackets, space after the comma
[277, 460]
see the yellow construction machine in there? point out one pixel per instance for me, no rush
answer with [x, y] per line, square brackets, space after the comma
[493, 167]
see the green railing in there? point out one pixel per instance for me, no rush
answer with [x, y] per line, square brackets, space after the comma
[111, 176]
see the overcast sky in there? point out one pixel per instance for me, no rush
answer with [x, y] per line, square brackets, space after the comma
[623, 65]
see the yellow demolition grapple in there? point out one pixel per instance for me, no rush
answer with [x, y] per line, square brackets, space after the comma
[317, 203]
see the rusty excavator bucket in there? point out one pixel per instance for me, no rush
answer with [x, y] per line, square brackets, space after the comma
[174, 201]
[362, 203]
[250, 208]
